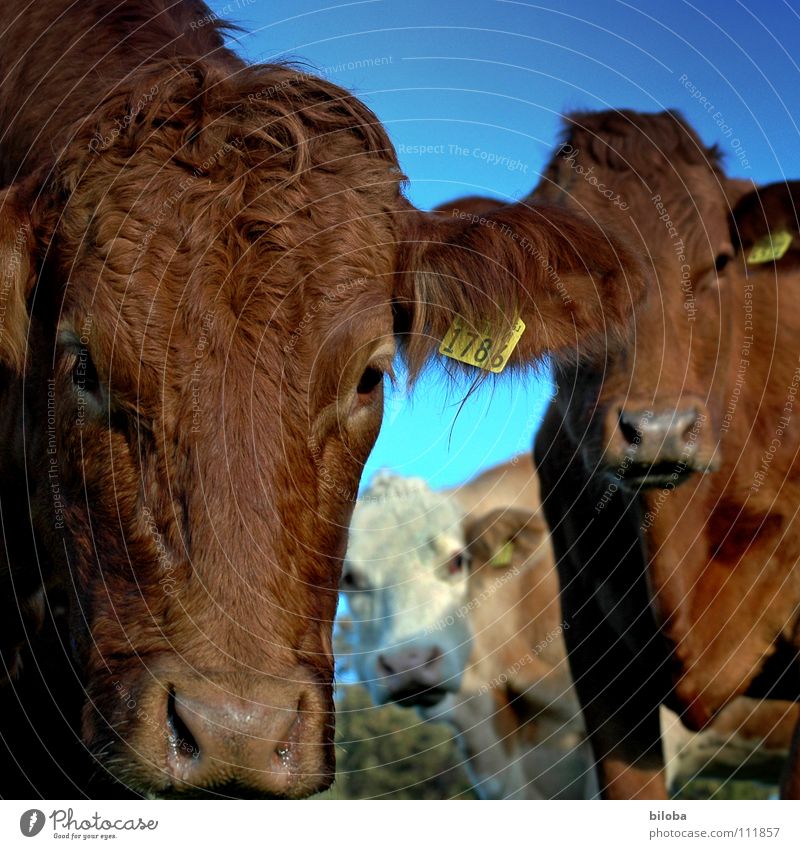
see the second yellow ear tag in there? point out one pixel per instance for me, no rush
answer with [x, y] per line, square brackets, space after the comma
[478, 347]
[771, 247]
[502, 557]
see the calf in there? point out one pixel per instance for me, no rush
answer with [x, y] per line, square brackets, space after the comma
[458, 615]
[669, 474]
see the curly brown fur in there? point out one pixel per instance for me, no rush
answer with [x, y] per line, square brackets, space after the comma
[207, 263]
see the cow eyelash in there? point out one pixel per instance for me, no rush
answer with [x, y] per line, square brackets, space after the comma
[379, 366]
[84, 374]
[370, 380]
[721, 261]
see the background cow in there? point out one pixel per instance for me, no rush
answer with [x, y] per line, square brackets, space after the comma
[454, 601]
[512, 704]
[208, 267]
[669, 475]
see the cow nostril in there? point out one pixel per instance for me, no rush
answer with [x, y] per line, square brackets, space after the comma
[689, 425]
[385, 666]
[285, 754]
[409, 661]
[630, 433]
[434, 657]
[181, 738]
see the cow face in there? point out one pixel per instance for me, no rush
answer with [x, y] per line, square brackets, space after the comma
[426, 586]
[202, 388]
[652, 415]
[405, 576]
[200, 307]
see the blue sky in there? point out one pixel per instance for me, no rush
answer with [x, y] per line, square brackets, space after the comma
[486, 82]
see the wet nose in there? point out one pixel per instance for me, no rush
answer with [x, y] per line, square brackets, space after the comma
[659, 437]
[638, 437]
[410, 673]
[217, 741]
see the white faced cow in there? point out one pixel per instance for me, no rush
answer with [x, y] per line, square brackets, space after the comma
[458, 615]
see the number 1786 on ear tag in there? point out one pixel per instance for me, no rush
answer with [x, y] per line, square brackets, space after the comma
[478, 346]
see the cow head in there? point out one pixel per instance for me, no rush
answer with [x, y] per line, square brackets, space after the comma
[201, 299]
[424, 583]
[652, 415]
[405, 576]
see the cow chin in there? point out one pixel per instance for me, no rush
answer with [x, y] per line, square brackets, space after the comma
[165, 732]
[418, 696]
[414, 692]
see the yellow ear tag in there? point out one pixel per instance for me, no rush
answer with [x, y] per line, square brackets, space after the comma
[478, 347]
[503, 556]
[772, 246]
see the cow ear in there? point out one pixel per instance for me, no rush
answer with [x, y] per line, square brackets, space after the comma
[572, 282]
[504, 536]
[16, 282]
[735, 189]
[765, 224]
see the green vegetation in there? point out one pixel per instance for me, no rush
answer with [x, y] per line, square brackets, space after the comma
[709, 788]
[390, 753]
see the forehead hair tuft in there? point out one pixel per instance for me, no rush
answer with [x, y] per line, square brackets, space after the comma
[621, 140]
[250, 146]
[393, 501]
[388, 486]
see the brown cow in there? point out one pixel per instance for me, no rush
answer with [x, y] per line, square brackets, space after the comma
[206, 269]
[670, 476]
[519, 659]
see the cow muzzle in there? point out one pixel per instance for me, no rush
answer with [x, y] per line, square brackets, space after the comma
[413, 676]
[255, 736]
[650, 448]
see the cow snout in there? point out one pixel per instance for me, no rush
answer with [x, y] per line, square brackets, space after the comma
[649, 447]
[215, 739]
[223, 735]
[413, 675]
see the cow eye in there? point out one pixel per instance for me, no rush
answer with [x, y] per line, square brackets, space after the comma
[457, 563]
[370, 380]
[84, 374]
[352, 581]
[721, 261]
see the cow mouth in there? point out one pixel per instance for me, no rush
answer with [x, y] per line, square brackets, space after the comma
[662, 475]
[418, 696]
